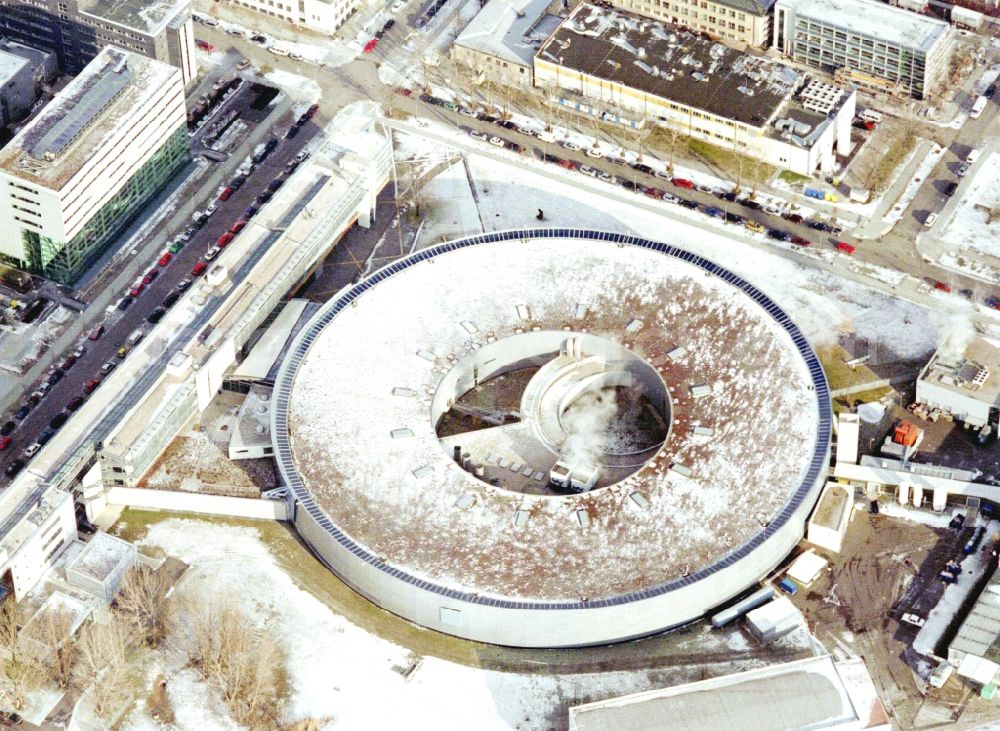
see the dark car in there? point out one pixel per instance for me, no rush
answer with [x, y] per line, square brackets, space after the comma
[388, 24]
[250, 211]
[90, 385]
[777, 234]
[68, 363]
[264, 197]
[125, 302]
[990, 90]
[484, 117]
[506, 124]
[55, 377]
[752, 205]
[258, 38]
[800, 241]
[33, 400]
[7, 428]
[237, 182]
[715, 212]
[641, 168]
[735, 218]
[294, 130]
[58, 420]
[657, 193]
[76, 403]
[45, 437]
[14, 467]
[156, 315]
[950, 187]
[688, 204]
[727, 195]
[793, 217]
[171, 299]
[275, 184]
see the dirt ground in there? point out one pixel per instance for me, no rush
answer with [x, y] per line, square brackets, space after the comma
[889, 566]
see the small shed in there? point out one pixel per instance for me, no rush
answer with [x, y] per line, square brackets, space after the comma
[773, 620]
[978, 669]
[828, 522]
[100, 567]
[807, 568]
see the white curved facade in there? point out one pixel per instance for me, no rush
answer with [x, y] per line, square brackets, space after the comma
[384, 505]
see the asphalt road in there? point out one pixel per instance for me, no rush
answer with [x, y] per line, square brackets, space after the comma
[118, 325]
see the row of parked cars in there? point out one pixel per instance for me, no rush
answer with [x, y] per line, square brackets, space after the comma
[206, 103]
[428, 15]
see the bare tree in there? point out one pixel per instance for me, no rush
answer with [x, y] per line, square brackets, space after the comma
[241, 663]
[142, 601]
[20, 674]
[103, 661]
[52, 631]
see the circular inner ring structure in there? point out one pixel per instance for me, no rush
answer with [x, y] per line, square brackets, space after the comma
[583, 410]
[551, 437]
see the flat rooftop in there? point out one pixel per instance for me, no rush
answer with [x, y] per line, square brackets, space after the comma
[10, 65]
[668, 62]
[894, 25]
[147, 16]
[507, 30]
[84, 116]
[972, 370]
[979, 633]
[102, 554]
[806, 694]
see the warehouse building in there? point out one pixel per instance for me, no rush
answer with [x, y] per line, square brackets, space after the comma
[500, 42]
[868, 44]
[73, 177]
[733, 21]
[77, 30]
[816, 693]
[963, 379]
[612, 64]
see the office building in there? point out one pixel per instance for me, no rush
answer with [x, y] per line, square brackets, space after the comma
[733, 21]
[322, 16]
[868, 44]
[73, 177]
[77, 30]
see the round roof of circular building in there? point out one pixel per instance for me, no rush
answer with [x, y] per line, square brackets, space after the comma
[359, 394]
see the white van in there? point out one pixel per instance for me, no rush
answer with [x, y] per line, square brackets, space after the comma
[135, 337]
[972, 156]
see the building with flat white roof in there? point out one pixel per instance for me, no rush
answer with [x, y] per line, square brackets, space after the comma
[630, 69]
[77, 30]
[500, 42]
[875, 45]
[322, 16]
[816, 693]
[73, 177]
[963, 378]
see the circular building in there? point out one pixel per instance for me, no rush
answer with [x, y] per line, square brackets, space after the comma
[551, 437]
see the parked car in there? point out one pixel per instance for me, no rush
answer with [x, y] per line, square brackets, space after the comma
[156, 315]
[962, 169]
[165, 259]
[4, 443]
[277, 50]
[136, 289]
[714, 212]
[683, 183]
[8, 428]
[587, 170]
[250, 211]
[752, 205]
[198, 268]
[45, 437]
[792, 217]
[594, 152]
[213, 251]
[14, 468]
[96, 332]
[183, 284]
[226, 193]
[224, 240]
[58, 420]
[943, 286]
[176, 247]
[950, 187]
[55, 377]
[22, 413]
[845, 247]
[496, 141]
[108, 367]
[777, 234]
[800, 241]
[931, 218]
[91, 385]
[754, 226]
[151, 275]
[171, 299]
[570, 145]
[477, 135]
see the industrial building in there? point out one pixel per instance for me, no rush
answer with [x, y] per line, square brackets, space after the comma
[77, 30]
[23, 71]
[816, 693]
[499, 44]
[869, 44]
[322, 16]
[828, 523]
[73, 177]
[612, 64]
[501, 531]
[732, 21]
[975, 650]
[964, 381]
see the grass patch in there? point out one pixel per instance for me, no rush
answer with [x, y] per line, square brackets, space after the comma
[838, 373]
[739, 167]
[794, 178]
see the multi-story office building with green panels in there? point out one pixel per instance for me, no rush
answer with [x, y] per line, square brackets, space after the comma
[78, 173]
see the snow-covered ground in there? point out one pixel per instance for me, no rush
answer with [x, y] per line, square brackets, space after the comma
[822, 303]
[970, 231]
[919, 177]
[345, 677]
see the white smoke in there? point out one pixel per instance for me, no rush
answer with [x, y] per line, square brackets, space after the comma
[957, 334]
[586, 422]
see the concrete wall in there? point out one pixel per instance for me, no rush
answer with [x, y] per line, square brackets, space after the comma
[235, 507]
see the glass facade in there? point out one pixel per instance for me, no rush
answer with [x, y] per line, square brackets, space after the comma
[64, 262]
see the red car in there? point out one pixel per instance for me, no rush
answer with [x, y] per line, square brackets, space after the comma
[96, 333]
[845, 247]
[4, 442]
[568, 164]
[165, 259]
[799, 241]
[198, 268]
[404, 91]
[654, 193]
[204, 45]
[136, 290]
[90, 385]
[683, 183]
[224, 239]
[370, 45]
[224, 195]
[237, 227]
[943, 286]
[151, 275]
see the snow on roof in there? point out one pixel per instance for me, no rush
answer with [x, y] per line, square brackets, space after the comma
[804, 694]
[10, 65]
[979, 633]
[95, 126]
[874, 20]
[968, 365]
[147, 16]
[500, 29]
[978, 669]
[406, 332]
[671, 63]
[102, 555]
[807, 567]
